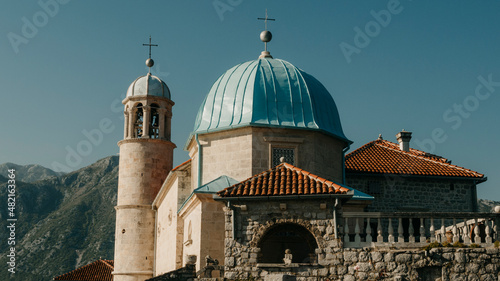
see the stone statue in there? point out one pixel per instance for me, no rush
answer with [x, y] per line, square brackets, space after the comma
[288, 257]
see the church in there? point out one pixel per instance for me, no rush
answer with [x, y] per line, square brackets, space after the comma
[268, 191]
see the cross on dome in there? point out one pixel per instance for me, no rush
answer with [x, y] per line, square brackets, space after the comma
[265, 36]
[265, 20]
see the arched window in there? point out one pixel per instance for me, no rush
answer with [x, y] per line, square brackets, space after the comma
[281, 237]
[154, 128]
[139, 120]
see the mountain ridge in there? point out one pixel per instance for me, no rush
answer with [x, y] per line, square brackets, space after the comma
[64, 221]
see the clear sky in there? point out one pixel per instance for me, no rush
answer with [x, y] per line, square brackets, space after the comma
[429, 67]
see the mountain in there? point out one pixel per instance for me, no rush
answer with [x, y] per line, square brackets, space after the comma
[63, 222]
[28, 173]
[487, 205]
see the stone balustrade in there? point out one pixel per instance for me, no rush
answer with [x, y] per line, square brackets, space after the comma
[417, 229]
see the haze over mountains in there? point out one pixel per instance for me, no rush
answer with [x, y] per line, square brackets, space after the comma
[66, 220]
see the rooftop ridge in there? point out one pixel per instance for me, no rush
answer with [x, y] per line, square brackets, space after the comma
[283, 179]
[426, 158]
[365, 159]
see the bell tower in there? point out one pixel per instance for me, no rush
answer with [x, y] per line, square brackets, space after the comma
[146, 157]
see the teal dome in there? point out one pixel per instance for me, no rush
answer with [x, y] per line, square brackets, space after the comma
[268, 92]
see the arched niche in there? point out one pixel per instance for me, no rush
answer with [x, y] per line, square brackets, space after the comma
[281, 237]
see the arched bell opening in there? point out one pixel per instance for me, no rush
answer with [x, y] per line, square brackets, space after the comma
[287, 236]
[138, 121]
[154, 127]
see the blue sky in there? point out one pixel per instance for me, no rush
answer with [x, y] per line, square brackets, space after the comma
[429, 67]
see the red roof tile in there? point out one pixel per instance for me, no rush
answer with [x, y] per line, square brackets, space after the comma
[284, 179]
[99, 270]
[182, 164]
[385, 157]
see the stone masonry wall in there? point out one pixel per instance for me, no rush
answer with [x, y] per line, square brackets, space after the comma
[398, 193]
[242, 253]
[252, 220]
[443, 264]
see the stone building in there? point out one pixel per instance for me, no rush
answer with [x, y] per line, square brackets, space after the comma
[403, 179]
[268, 191]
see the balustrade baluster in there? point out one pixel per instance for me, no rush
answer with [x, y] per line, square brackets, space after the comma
[357, 237]
[433, 231]
[422, 230]
[390, 230]
[346, 231]
[380, 237]
[442, 237]
[487, 229]
[467, 238]
[401, 239]
[368, 231]
[477, 238]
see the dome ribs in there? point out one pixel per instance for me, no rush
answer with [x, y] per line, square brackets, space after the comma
[275, 86]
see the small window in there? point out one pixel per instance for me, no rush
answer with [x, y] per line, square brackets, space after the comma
[287, 153]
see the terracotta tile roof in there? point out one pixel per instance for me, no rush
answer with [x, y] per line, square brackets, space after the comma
[284, 179]
[182, 164]
[385, 157]
[100, 270]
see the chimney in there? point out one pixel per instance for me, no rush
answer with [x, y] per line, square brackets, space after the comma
[404, 138]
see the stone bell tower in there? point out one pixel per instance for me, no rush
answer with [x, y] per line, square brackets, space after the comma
[146, 157]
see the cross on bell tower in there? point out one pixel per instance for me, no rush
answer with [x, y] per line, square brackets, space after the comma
[150, 62]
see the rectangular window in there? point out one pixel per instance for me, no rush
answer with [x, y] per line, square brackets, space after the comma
[287, 153]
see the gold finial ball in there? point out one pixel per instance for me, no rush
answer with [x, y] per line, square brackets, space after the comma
[266, 36]
[150, 62]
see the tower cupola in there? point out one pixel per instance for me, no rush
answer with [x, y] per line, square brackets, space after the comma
[148, 107]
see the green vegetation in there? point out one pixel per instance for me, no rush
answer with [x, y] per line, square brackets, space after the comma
[449, 245]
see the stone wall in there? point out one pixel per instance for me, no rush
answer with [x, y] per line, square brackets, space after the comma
[401, 193]
[444, 264]
[250, 221]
